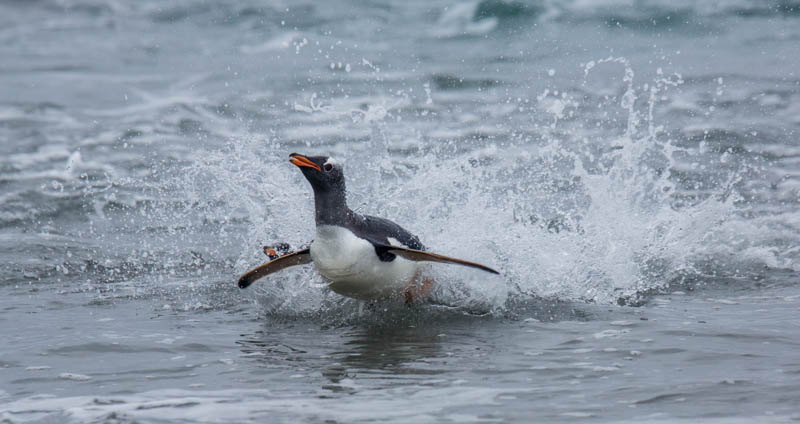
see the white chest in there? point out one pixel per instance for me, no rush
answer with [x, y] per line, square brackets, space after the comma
[337, 252]
[354, 269]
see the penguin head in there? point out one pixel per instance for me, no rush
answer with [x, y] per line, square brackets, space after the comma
[322, 172]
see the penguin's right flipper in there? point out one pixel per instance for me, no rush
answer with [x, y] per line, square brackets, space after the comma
[423, 256]
[300, 257]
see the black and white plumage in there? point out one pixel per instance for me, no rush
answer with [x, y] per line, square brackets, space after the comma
[363, 257]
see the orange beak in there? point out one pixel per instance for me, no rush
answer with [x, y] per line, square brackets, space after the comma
[300, 160]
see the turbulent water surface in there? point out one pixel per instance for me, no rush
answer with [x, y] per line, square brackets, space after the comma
[631, 167]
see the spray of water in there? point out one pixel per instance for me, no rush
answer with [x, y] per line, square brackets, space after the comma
[576, 216]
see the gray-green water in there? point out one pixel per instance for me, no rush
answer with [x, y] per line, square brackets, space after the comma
[630, 167]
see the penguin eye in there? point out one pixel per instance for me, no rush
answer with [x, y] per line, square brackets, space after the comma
[327, 167]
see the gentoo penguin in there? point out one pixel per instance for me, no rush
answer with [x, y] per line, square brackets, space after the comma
[361, 256]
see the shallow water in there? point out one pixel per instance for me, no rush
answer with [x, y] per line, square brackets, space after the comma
[631, 168]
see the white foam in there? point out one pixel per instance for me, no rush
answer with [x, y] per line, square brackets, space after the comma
[38, 368]
[282, 41]
[74, 377]
[255, 405]
[458, 20]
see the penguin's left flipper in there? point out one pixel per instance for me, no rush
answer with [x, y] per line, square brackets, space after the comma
[422, 256]
[300, 257]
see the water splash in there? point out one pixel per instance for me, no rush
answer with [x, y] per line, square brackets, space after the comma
[578, 215]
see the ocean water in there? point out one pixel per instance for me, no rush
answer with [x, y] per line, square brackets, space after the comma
[632, 168]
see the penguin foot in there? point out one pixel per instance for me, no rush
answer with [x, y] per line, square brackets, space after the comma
[418, 291]
[277, 250]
